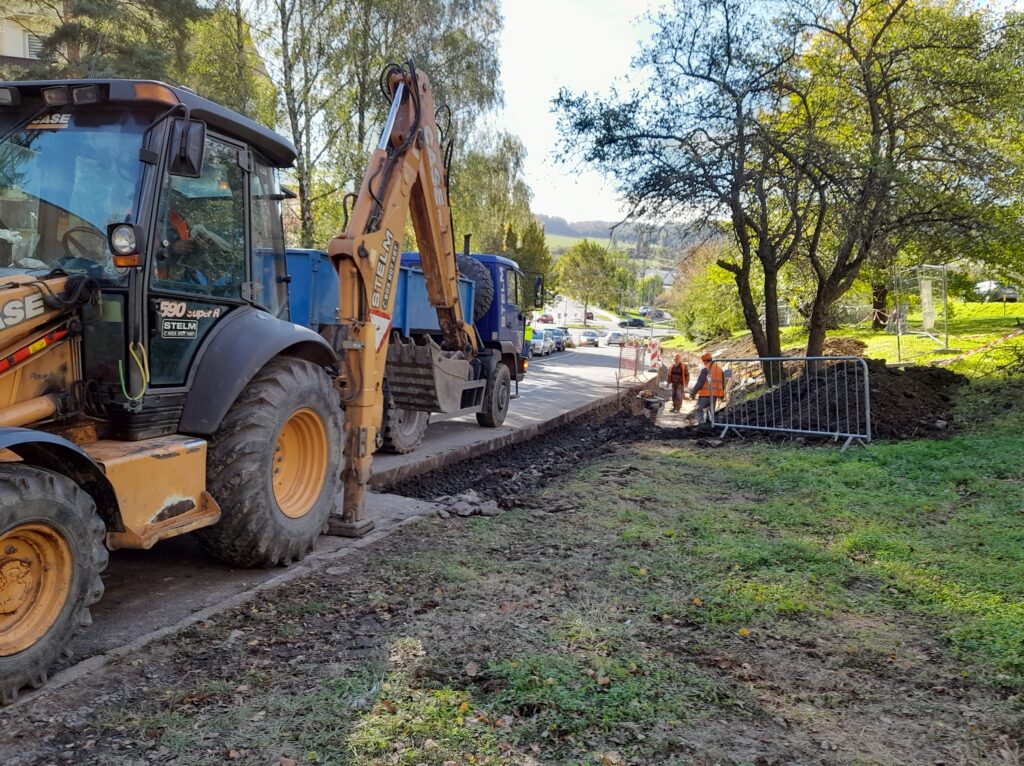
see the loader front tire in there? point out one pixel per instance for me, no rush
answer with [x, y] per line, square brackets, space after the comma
[274, 466]
[51, 557]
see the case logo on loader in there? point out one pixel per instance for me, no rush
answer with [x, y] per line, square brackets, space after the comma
[50, 122]
[19, 310]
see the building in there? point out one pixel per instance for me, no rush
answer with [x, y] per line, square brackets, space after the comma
[23, 25]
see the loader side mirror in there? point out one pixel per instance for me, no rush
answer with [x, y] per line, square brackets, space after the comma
[538, 292]
[188, 142]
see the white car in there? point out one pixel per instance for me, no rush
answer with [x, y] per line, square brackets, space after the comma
[615, 338]
[542, 343]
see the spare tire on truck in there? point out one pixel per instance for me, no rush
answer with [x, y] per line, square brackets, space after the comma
[51, 557]
[483, 293]
[274, 466]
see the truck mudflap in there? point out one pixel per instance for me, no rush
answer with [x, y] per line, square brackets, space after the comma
[421, 376]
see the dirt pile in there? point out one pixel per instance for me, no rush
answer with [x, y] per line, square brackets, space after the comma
[743, 347]
[905, 404]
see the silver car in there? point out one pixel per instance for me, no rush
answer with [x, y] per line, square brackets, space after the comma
[615, 338]
[543, 343]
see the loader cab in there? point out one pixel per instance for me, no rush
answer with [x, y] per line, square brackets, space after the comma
[169, 202]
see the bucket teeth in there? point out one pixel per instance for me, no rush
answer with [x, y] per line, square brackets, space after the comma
[421, 376]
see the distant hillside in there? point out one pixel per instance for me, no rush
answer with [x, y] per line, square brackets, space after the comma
[597, 230]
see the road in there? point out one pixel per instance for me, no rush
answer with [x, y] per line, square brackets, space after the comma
[570, 311]
[150, 590]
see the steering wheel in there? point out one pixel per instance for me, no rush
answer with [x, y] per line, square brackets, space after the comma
[68, 242]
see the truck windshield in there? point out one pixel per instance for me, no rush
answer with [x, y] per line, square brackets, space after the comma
[64, 176]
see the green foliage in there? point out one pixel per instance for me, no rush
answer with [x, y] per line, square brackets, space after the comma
[585, 272]
[223, 64]
[489, 194]
[703, 299]
[119, 38]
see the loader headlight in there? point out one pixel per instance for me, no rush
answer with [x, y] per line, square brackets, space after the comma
[126, 244]
[122, 239]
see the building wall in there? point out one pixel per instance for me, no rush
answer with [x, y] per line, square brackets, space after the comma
[19, 20]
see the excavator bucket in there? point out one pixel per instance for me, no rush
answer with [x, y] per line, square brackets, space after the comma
[423, 377]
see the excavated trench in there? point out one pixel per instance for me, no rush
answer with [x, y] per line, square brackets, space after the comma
[906, 404]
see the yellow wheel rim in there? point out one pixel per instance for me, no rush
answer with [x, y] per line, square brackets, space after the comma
[35, 581]
[300, 463]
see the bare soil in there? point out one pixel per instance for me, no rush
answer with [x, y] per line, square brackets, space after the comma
[575, 574]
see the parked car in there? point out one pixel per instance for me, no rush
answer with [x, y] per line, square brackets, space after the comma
[645, 310]
[558, 337]
[590, 315]
[543, 343]
[546, 318]
[632, 322]
[615, 338]
[567, 337]
[589, 338]
[995, 291]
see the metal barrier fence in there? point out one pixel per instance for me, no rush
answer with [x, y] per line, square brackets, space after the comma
[631, 362]
[815, 396]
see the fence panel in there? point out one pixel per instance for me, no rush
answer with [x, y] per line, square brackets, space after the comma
[816, 396]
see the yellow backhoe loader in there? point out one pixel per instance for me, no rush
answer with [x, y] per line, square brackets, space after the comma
[150, 381]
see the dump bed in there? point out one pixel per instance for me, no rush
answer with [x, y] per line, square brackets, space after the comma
[313, 295]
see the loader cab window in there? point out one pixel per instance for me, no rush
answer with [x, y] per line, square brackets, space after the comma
[268, 264]
[201, 225]
[64, 176]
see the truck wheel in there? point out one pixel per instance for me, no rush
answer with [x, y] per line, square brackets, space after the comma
[483, 294]
[496, 399]
[274, 466]
[51, 556]
[401, 429]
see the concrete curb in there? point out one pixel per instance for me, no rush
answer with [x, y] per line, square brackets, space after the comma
[457, 455]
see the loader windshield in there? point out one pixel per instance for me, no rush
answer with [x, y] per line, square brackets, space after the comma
[64, 176]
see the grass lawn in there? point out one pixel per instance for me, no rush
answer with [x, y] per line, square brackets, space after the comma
[663, 604]
[971, 325]
[559, 243]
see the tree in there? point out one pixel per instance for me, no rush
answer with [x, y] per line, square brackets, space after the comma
[223, 63]
[819, 136]
[117, 38]
[705, 143]
[532, 253]
[584, 273]
[908, 103]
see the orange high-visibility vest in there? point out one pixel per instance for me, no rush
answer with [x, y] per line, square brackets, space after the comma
[714, 384]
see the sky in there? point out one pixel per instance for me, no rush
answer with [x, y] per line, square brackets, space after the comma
[582, 45]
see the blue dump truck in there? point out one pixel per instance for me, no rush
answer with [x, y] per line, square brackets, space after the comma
[494, 294]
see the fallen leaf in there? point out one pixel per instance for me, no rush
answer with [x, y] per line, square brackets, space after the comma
[232, 755]
[259, 716]
[464, 707]
[744, 632]
[697, 600]
[390, 706]
[603, 680]
[472, 668]
[286, 762]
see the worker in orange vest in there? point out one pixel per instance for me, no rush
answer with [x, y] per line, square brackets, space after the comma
[709, 389]
[679, 377]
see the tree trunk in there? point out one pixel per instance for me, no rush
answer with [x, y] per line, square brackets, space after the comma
[879, 305]
[773, 342]
[818, 325]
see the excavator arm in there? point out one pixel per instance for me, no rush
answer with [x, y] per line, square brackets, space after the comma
[406, 176]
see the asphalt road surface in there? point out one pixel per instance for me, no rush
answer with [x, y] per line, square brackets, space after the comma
[150, 590]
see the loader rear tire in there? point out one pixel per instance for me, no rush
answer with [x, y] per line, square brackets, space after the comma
[51, 557]
[483, 293]
[274, 466]
[496, 399]
[401, 429]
